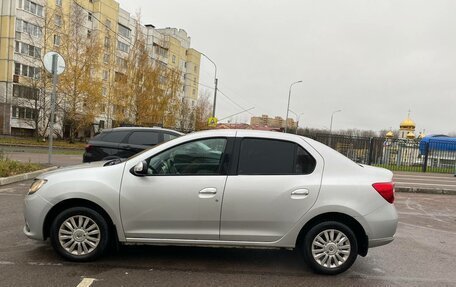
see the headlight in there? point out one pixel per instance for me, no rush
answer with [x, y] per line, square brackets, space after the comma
[37, 184]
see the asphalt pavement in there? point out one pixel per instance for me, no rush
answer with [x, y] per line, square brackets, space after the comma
[423, 254]
[429, 182]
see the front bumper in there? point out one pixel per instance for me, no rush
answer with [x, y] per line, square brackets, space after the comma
[35, 210]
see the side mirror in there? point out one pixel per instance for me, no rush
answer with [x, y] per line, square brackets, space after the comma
[140, 169]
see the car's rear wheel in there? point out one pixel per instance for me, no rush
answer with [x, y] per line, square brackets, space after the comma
[79, 234]
[330, 247]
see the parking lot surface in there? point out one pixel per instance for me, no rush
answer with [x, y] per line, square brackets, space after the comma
[423, 254]
[425, 180]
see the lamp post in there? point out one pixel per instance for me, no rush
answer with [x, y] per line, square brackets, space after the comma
[288, 105]
[331, 125]
[215, 82]
[297, 119]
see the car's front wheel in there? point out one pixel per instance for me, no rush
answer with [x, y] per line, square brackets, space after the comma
[330, 247]
[79, 234]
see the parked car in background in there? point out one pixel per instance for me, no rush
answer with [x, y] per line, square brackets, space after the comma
[125, 142]
[220, 188]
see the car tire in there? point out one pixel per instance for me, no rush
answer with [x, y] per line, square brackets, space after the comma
[79, 234]
[330, 248]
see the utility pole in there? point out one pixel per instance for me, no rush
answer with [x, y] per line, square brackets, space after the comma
[53, 96]
[215, 82]
[215, 95]
[54, 64]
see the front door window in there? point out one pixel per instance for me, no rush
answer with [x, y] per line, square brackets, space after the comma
[201, 157]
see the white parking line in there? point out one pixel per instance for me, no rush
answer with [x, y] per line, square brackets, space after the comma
[86, 282]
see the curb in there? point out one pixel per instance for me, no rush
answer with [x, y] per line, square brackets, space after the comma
[24, 176]
[426, 190]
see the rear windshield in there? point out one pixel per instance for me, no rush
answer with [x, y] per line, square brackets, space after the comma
[98, 136]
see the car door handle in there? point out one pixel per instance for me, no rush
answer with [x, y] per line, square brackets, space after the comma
[299, 193]
[207, 192]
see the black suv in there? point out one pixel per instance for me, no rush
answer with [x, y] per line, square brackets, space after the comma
[124, 142]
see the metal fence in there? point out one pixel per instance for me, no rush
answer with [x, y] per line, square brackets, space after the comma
[395, 154]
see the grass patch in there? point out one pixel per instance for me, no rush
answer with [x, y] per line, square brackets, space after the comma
[416, 168]
[34, 142]
[10, 167]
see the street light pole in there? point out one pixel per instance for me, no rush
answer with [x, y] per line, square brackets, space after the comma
[215, 82]
[331, 125]
[297, 119]
[288, 105]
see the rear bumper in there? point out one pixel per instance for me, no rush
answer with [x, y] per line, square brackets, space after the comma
[382, 224]
[380, 241]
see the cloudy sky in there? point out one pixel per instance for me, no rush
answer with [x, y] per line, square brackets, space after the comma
[374, 60]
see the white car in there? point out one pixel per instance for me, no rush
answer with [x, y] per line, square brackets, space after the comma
[223, 188]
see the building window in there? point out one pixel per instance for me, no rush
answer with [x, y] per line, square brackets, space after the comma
[89, 33]
[17, 68]
[23, 113]
[124, 31]
[108, 23]
[27, 49]
[107, 42]
[18, 25]
[194, 92]
[58, 3]
[195, 69]
[89, 17]
[105, 75]
[26, 71]
[58, 20]
[25, 92]
[106, 58]
[56, 40]
[174, 59]
[33, 8]
[26, 27]
[121, 62]
[121, 46]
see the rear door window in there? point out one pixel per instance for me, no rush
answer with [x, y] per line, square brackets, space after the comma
[273, 157]
[168, 137]
[144, 138]
[115, 137]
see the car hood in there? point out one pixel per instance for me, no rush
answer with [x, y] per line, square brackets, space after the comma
[91, 165]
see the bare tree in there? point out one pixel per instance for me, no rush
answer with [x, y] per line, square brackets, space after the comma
[202, 111]
[80, 86]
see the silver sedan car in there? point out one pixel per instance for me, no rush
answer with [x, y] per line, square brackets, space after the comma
[219, 188]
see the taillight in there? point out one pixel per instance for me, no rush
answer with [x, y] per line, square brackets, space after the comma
[88, 148]
[386, 190]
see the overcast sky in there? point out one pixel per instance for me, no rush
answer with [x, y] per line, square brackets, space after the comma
[374, 60]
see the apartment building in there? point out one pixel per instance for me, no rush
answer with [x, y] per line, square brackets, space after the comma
[30, 28]
[276, 122]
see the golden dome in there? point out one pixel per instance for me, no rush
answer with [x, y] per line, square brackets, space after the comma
[410, 135]
[407, 124]
[389, 135]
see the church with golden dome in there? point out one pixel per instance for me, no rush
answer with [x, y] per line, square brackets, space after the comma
[406, 130]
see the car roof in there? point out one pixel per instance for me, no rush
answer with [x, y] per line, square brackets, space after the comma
[246, 133]
[141, 129]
